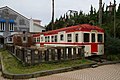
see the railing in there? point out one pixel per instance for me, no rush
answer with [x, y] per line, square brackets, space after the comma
[33, 56]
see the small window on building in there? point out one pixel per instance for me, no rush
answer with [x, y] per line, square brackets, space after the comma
[22, 22]
[38, 39]
[93, 37]
[55, 38]
[76, 37]
[52, 39]
[61, 37]
[2, 26]
[69, 37]
[10, 39]
[100, 38]
[86, 37]
[11, 26]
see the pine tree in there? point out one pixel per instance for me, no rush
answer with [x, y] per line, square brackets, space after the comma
[91, 10]
[118, 12]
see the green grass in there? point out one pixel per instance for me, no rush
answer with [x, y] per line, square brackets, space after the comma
[12, 65]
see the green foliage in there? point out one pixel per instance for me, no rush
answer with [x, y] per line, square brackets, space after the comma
[90, 18]
[112, 45]
[113, 57]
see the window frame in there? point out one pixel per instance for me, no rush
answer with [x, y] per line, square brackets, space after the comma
[88, 39]
[76, 37]
[98, 38]
[38, 39]
[93, 39]
[61, 37]
[2, 26]
[55, 37]
[11, 26]
[69, 37]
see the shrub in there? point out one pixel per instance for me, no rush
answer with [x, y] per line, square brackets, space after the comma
[112, 46]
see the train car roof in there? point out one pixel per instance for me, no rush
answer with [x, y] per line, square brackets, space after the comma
[81, 27]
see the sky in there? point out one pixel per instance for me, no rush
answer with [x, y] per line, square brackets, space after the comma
[41, 9]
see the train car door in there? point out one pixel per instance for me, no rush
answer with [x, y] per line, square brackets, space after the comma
[94, 45]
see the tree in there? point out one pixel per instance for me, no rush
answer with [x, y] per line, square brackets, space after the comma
[118, 12]
[91, 10]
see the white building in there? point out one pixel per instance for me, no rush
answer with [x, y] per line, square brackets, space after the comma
[35, 26]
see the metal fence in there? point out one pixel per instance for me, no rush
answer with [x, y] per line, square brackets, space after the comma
[33, 56]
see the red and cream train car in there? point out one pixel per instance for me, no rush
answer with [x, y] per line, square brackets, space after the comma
[92, 37]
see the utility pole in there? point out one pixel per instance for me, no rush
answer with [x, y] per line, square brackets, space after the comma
[114, 19]
[100, 12]
[52, 14]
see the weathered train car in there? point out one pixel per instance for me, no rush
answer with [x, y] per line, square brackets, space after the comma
[92, 37]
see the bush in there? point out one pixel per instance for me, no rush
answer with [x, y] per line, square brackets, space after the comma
[112, 46]
[113, 57]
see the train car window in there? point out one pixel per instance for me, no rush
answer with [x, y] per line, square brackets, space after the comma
[55, 38]
[76, 37]
[34, 39]
[100, 37]
[42, 39]
[69, 37]
[86, 37]
[52, 38]
[45, 38]
[38, 39]
[48, 38]
[61, 37]
[93, 37]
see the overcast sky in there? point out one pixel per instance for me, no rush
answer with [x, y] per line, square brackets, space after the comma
[41, 9]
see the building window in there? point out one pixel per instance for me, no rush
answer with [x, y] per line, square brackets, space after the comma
[52, 39]
[2, 26]
[61, 37]
[93, 37]
[38, 39]
[11, 26]
[86, 37]
[10, 39]
[100, 38]
[69, 37]
[55, 38]
[22, 22]
[76, 37]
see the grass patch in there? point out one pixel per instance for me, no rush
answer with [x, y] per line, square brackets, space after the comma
[12, 65]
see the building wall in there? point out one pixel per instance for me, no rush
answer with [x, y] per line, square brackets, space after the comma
[35, 27]
[21, 23]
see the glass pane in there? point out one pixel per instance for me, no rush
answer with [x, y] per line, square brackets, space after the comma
[86, 37]
[100, 38]
[93, 37]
